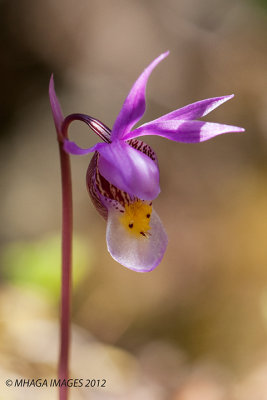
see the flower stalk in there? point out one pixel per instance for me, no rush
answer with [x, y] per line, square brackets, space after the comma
[66, 244]
[63, 369]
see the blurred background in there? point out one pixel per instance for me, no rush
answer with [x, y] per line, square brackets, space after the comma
[196, 327]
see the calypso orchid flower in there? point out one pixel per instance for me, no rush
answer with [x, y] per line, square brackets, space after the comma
[123, 175]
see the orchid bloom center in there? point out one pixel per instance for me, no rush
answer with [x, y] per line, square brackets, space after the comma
[136, 217]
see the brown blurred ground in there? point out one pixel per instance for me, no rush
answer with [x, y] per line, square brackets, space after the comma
[195, 328]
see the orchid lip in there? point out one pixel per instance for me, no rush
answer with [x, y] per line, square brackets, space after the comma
[141, 254]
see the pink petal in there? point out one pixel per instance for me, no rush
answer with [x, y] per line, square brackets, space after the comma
[195, 110]
[183, 130]
[55, 106]
[134, 106]
[129, 170]
[73, 148]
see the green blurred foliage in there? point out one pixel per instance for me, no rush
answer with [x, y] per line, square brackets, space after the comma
[262, 3]
[37, 263]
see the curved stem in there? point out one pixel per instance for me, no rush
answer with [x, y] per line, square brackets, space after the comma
[97, 126]
[63, 371]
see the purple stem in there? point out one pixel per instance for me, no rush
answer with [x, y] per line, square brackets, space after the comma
[63, 370]
[104, 132]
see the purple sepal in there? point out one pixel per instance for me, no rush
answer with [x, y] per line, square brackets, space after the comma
[135, 104]
[195, 110]
[183, 130]
[73, 148]
[55, 106]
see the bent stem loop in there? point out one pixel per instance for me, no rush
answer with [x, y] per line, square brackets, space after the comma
[97, 126]
[67, 228]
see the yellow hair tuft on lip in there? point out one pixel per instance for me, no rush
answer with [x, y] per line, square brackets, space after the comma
[136, 218]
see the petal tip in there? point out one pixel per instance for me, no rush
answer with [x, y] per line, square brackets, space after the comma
[238, 129]
[51, 89]
[162, 56]
[166, 53]
[52, 78]
[55, 106]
